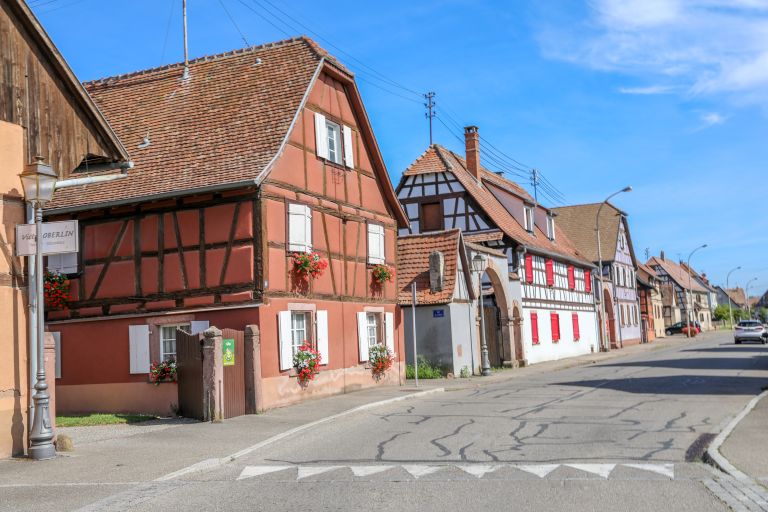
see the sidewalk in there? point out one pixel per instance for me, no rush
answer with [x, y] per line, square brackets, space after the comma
[747, 446]
[145, 452]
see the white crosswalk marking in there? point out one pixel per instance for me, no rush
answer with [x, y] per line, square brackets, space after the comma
[603, 470]
[305, 471]
[419, 471]
[368, 470]
[478, 470]
[540, 470]
[252, 471]
[667, 470]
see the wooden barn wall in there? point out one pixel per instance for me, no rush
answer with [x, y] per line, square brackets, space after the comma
[34, 97]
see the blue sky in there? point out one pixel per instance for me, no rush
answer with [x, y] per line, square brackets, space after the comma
[669, 96]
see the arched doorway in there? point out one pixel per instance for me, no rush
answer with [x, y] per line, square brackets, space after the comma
[610, 319]
[498, 323]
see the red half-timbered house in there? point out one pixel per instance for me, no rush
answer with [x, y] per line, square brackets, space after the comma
[259, 154]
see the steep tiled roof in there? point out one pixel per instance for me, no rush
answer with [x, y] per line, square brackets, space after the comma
[737, 295]
[645, 274]
[648, 270]
[413, 265]
[578, 222]
[439, 159]
[677, 274]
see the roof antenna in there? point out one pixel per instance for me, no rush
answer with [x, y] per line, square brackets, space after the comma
[186, 50]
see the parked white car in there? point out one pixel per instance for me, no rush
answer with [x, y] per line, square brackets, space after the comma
[750, 330]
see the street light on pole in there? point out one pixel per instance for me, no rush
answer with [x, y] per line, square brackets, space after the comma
[605, 346]
[728, 293]
[746, 292]
[690, 290]
[39, 182]
[478, 265]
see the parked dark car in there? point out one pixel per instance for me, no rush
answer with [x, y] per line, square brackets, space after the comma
[678, 328]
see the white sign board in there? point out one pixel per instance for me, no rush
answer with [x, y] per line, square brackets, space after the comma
[58, 238]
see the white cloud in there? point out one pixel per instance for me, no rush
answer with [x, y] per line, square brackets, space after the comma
[648, 90]
[707, 47]
[711, 119]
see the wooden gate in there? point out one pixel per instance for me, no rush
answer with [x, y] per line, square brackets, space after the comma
[189, 373]
[234, 376]
[493, 335]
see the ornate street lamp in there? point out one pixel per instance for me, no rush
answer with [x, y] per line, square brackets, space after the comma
[39, 182]
[691, 311]
[605, 346]
[479, 265]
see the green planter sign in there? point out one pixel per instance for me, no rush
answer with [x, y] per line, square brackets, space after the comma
[228, 352]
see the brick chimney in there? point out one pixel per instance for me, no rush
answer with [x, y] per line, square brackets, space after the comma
[661, 256]
[472, 141]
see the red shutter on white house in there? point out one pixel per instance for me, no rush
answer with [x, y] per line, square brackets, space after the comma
[529, 268]
[535, 328]
[576, 333]
[587, 281]
[571, 277]
[555, 319]
[550, 273]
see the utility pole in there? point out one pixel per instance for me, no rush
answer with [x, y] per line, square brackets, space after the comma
[535, 184]
[430, 114]
[186, 50]
[647, 254]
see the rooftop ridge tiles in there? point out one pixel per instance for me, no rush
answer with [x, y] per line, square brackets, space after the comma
[321, 52]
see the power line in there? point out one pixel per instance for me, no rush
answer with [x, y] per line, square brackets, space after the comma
[234, 23]
[167, 31]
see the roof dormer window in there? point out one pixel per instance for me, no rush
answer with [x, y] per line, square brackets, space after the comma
[551, 227]
[528, 218]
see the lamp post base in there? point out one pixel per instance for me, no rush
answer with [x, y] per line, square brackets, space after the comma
[486, 372]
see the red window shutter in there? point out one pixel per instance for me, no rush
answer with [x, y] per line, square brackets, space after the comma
[529, 268]
[535, 328]
[571, 277]
[555, 319]
[550, 273]
[576, 333]
[587, 281]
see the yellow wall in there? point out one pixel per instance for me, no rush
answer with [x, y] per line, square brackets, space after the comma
[13, 314]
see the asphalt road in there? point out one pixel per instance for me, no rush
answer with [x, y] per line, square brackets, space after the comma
[622, 435]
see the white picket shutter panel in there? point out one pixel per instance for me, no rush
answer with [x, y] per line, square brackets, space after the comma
[349, 159]
[138, 345]
[299, 228]
[57, 340]
[375, 243]
[362, 339]
[198, 326]
[389, 331]
[321, 135]
[286, 350]
[322, 335]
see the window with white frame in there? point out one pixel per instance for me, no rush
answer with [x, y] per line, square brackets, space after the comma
[299, 228]
[168, 340]
[62, 263]
[373, 328]
[301, 329]
[528, 217]
[550, 227]
[333, 141]
[375, 244]
[333, 136]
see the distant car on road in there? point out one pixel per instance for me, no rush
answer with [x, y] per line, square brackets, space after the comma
[678, 328]
[750, 330]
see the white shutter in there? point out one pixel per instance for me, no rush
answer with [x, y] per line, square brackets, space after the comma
[362, 338]
[322, 336]
[57, 340]
[375, 243]
[198, 326]
[138, 346]
[389, 331]
[299, 228]
[321, 135]
[349, 159]
[286, 349]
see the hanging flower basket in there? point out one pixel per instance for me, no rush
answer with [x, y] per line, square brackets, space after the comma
[164, 371]
[380, 359]
[307, 362]
[382, 273]
[56, 288]
[309, 265]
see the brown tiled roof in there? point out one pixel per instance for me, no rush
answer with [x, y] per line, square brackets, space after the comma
[648, 270]
[496, 234]
[645, 274]
[737, 295]
[439, 159]
[413, 265]
[578, 222]
[677, 274]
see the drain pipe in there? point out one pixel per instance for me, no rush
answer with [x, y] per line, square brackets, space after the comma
[88, 180]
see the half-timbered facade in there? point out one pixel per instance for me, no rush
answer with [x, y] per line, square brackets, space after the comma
[544, 293]
[259, 155]
[623, 319]
[45, 113]
[682, 285]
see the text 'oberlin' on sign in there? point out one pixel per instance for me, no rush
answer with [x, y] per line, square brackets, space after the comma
[58, 238]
